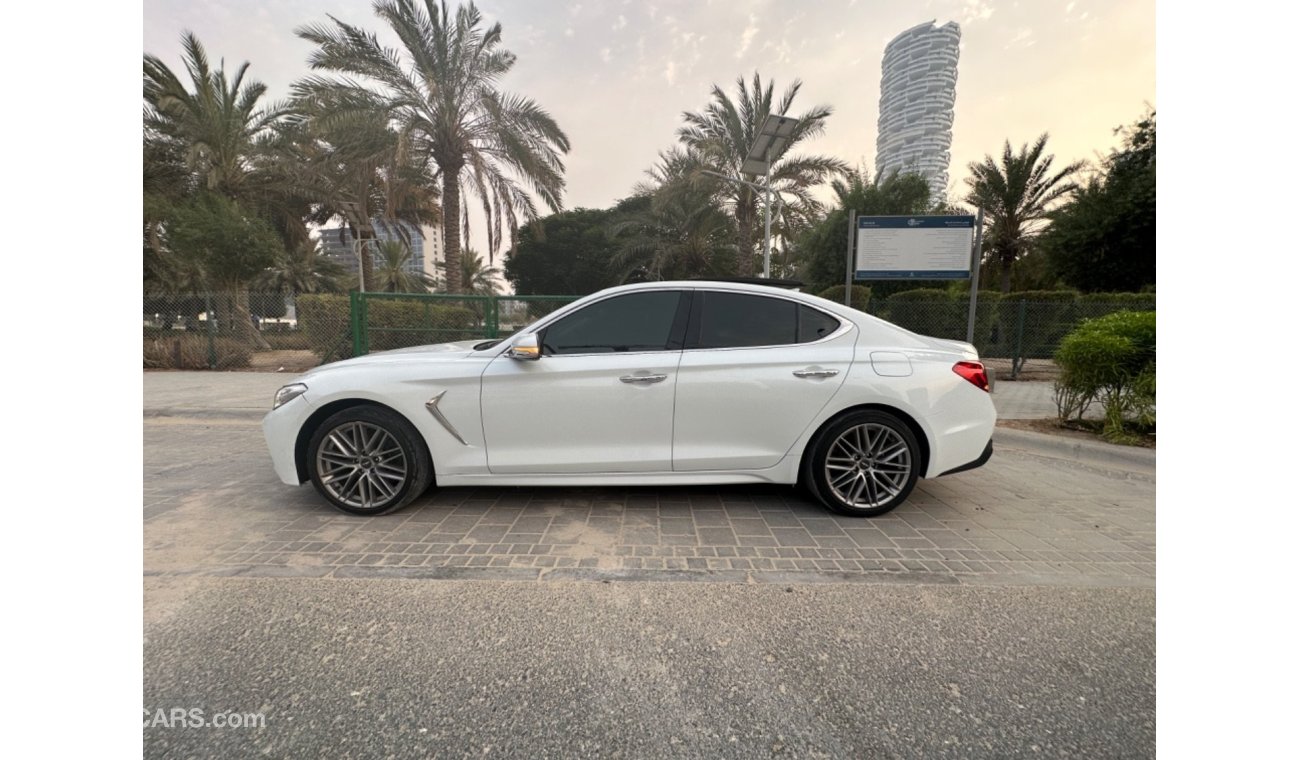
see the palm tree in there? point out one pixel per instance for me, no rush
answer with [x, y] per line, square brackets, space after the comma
[720, 136]
[393, 273]
[211, 133]
[441, 87]
[675, 229]
[343, 153]
[216, 126]
[477, 278]
[305, 269]
[1016, 195]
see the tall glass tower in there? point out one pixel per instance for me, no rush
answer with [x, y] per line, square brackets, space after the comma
[918, 85]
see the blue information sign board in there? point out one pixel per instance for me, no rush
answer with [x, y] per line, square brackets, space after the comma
[914, 247]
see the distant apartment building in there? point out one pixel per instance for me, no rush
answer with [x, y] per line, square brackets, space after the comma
[918, 87]
[425, 241]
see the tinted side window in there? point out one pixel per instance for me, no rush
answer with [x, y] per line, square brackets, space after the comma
[730, 320]
[815, 325]
[635, 322]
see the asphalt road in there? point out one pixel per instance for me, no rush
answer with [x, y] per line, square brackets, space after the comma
[409, 668]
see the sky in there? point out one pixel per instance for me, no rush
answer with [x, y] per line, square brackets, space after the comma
[618, 74]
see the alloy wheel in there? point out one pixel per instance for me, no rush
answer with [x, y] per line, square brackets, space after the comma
[868, 465]
[362, 465]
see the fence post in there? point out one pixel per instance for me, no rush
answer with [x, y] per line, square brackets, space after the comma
[1017, 361]
[212, 327]
[358, 329]
[493, 317]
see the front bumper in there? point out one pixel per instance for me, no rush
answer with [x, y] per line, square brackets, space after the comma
[280, 427]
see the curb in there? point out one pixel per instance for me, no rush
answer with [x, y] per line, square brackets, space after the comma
[1095, 453]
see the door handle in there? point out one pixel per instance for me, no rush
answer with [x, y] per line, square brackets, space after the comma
[816, 372]
[647, 379]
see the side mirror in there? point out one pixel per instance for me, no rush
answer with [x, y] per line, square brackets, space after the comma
[525, 348]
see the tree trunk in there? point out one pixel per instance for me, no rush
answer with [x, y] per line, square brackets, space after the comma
[1007, 262]
[745, 236]
[451, 227]
[242, 321]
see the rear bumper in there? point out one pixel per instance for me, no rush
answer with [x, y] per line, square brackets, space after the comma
[978, 462]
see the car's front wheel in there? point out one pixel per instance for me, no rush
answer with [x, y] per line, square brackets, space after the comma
[864, 464]
[368, 460]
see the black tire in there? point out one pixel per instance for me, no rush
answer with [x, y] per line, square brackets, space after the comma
[815, 469]
[367, 478]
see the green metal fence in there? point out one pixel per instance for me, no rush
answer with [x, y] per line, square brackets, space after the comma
[1005, 328]
[231, 331]
[385, 321]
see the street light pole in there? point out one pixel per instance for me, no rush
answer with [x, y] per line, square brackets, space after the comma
[358, 248]
[767, 222]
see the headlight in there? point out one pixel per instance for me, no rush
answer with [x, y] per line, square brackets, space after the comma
[288, 393]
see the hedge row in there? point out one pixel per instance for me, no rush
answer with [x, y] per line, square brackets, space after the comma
[325, 320]
[1027, 324]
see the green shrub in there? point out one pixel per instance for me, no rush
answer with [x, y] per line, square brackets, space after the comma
[325, 319]
[411, 322]
[189, 350]
[928, 311]
[861, 295]
[1112, 360]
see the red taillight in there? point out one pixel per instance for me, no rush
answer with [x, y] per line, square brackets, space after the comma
[974, 372]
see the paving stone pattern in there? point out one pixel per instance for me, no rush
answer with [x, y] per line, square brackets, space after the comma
[214, 507]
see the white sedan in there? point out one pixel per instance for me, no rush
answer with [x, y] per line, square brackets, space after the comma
[666, 383]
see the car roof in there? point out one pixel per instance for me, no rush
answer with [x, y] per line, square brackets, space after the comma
[838, 309]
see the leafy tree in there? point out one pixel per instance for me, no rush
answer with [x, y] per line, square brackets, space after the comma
[441, 87]
[393, 273]
[1016, 193]
[568, 253]
[718, 139]
[822, 250]
[478, 278]
[1104, 238]
[224, 248]
[203, 144]
[343, 153]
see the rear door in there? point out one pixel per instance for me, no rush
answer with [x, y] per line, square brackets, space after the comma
[755, 371]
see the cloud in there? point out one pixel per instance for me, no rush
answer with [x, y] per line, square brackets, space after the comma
[605, 54]
[1023, 38]
[747, 36]
[976, 10]
[621, 22]
[670, 72]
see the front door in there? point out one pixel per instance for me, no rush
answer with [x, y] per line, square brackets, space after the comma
[599, 400]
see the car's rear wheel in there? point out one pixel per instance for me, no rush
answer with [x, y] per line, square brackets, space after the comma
[368, 460]
[864, 464]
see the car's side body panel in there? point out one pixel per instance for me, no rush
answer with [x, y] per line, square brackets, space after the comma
[743, 408]
[625, 433]
[567, 414]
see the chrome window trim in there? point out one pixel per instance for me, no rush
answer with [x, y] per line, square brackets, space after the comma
[845, 323]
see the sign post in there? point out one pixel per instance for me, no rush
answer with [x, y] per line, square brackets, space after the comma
[848, 264]
[976, 257]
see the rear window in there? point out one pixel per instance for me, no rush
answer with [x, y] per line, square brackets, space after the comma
[737, 320]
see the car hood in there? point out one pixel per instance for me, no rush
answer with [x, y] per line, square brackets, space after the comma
[439, 352]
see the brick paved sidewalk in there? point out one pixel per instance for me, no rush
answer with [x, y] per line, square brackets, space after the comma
[213, 506]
